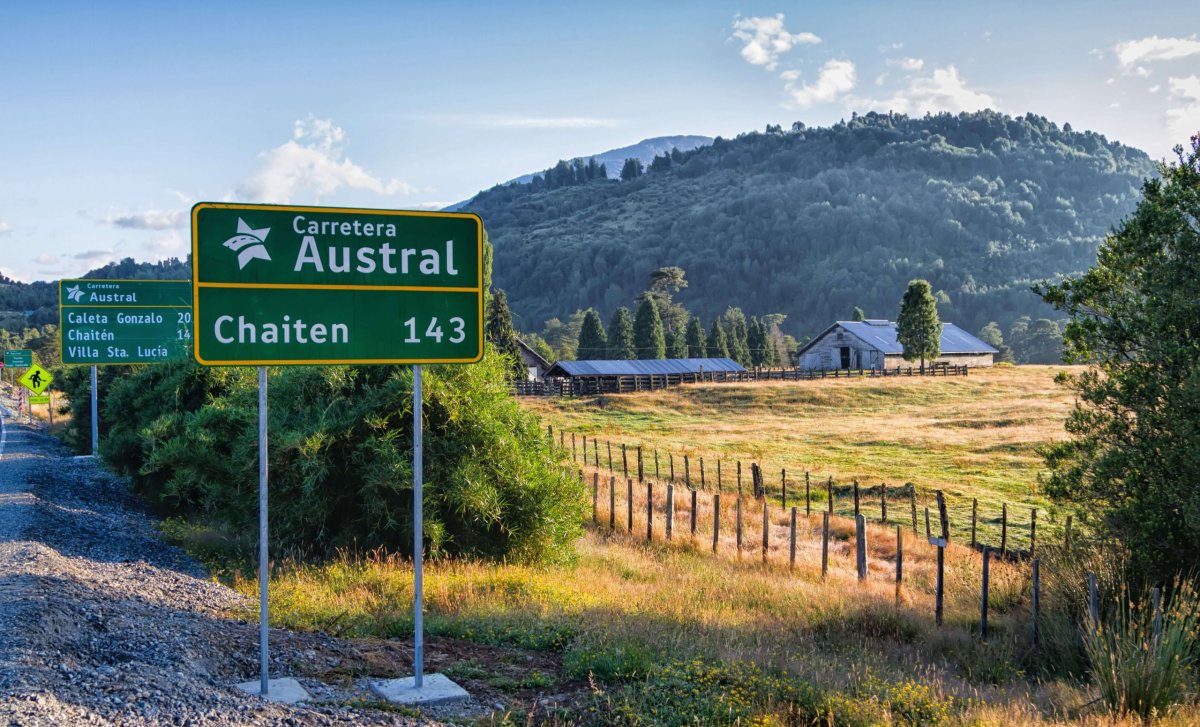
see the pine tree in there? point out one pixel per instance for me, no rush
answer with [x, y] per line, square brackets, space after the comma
[718, 345]
[677, 344]
[648, 332]
[631, 170]
[918, 328]
[734, 321]
[858, 314]
[697, 346]
[501, 333]
[620, 336]
[756, 342]
[593, 344]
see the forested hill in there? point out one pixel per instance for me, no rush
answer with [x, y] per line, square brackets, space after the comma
[812, 222]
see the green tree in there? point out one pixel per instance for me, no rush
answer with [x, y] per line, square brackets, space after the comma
[718, 345]
[918, 328]
[677, 344]
[992, 336]
[564, 337]
[620, 336]
[593, 344]
[539, 344]
[632, 169]
[756, 342]
[648, 332]
[736, 331]
[697, 347]
[1133, 458]
[502, 335]
[857, 314]
[1043, 342]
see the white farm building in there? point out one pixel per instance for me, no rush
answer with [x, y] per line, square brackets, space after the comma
[872, 344]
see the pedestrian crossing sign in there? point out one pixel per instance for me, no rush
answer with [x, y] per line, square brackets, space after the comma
[36, 379]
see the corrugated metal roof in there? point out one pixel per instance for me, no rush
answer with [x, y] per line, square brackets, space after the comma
[642, 367]
[882, 336]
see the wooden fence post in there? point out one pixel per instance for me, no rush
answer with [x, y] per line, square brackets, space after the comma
[608, 446]
[624, 460]
[739, 478]
[939, 596]
[824, 544]
[883, 502]
[1036, 600]
[783, 485]
[792, 543]
[693, 513]
[596, 452]
[703, 484]
[766, 530]
[983, 601]
[612, 503]
[928, 534]
[719, 485]
[943, 516]
[670, 509]
[562, 439]
[574, 454]
[671, 462]
[1093, 602]
[584, 450]
[629, 504]
[860, 545]
[595, 496]
[716, 520]
[687, 472]
[1003, 529]
[739, 525]
[1032, 531]
[1067, 535]
[899, 562]
[649, 511]
[856, 503]
[912, 493]
[829, 493]
[974, 518]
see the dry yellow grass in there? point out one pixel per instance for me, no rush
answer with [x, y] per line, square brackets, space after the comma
[972, 437]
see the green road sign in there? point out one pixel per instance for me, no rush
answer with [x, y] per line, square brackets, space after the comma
[18, 359]
[39, 399]
[124, 321]
[323, 285]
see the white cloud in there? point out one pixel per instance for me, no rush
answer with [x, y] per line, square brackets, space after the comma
[834, 79]
[1153, 48]
[881, 79]
[313, 162]
[1183, 121]
[1155, 88]
[765, 39]
[149, 220]
[96, 257]
[889, 47]
[1141, 71]
[171, 244]
[5, 228]
[907, 64]
[943, 90]
[46, 259]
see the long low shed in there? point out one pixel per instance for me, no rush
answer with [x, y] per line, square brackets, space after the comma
[616, 376]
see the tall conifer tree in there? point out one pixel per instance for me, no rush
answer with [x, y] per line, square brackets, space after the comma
[918, 329]
[620, 336]
[593, 344]
[648, 331]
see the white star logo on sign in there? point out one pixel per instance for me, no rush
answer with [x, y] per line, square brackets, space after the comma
[74, 294]
[249, 243]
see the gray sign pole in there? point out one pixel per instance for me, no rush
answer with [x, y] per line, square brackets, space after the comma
[262, 527]
[95, 416]
[418, 517]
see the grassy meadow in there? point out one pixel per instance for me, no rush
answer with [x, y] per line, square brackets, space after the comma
[972, 437]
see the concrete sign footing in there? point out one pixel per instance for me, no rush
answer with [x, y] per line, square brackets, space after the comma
[287, 691]
[435, 689]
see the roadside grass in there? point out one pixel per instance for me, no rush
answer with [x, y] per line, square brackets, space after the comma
[666, 633]
[972, 437]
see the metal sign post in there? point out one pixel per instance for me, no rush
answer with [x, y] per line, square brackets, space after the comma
[262, 528]
[95, 415]
[418, 536]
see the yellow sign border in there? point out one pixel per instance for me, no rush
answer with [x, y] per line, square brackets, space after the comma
[196, 284]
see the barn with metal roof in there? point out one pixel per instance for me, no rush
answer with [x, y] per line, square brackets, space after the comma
[872, 344]
[618, 376]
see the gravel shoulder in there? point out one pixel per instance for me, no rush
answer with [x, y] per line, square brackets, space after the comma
[103, 623]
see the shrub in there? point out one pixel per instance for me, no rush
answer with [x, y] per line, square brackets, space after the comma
[1139, 657]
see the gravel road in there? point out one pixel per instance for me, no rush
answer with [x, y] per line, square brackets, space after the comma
[102, 623]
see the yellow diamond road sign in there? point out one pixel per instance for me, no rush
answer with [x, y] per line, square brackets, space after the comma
[36, 379]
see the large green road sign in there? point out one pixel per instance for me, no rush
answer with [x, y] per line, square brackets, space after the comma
[321, 285]
[124, 321]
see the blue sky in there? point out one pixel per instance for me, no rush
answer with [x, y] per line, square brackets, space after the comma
[116, 117]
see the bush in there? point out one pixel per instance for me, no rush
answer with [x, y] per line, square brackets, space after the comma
[1140, 658]
[340, 457]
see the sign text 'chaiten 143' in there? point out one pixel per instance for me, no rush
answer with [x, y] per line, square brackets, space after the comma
[308, 285]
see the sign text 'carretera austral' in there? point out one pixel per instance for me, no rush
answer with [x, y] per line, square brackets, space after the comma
[124, 321]
[306, 285]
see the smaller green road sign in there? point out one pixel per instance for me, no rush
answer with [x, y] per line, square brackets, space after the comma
[39, 399]
[18, 359]
[124, 321]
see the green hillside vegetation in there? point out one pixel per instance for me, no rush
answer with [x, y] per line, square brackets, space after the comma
[812, 222]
